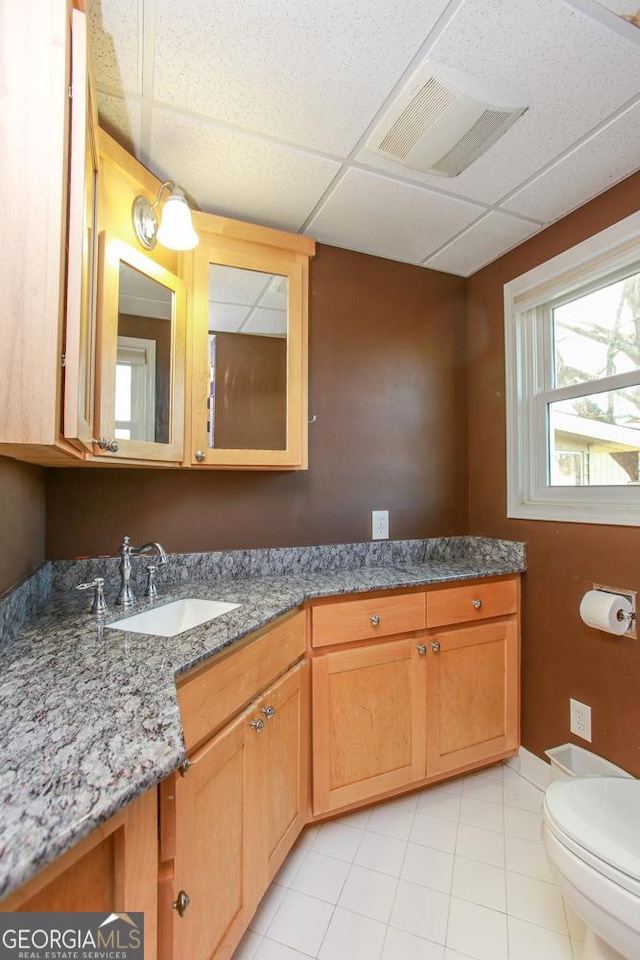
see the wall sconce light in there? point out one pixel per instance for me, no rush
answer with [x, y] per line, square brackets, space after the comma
[175, 230]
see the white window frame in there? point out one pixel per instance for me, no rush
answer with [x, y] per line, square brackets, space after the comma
[140, 355]
[529, 497]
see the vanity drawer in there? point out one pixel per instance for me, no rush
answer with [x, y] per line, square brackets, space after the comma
[347, 620]
[475, 601]
[211, 695]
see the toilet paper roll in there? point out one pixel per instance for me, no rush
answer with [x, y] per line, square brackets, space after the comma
[606, 611]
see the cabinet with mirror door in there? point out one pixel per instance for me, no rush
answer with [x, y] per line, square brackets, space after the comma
[248, 346]
[140, 357]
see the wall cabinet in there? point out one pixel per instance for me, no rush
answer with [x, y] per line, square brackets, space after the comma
[228, 822]
[114, 869]
[47, 168]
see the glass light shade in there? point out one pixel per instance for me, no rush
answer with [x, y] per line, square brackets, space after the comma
[176, 229]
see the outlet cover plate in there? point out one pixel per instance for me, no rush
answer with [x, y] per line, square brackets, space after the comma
[379, 524]
[580, 719]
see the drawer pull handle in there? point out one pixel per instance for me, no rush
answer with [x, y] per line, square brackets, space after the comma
[476, 604]
[422, 649]
[258, 725]
[375, 620]
[182, 903]
[268, 712]
[435, 646]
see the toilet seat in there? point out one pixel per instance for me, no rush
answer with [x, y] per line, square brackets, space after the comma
[596, 818]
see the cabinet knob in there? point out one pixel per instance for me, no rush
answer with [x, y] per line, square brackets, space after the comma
[476, 604]
[184, 767]
[268, 712]
[422, 649]
[111, 446]
[200, 455]
[435, 646]
[258, 725]
[182, 903]
[375, 620]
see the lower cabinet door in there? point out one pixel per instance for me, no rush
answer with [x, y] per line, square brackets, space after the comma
[369, 725]
[285, 758]
[214, 813]
[472, 694]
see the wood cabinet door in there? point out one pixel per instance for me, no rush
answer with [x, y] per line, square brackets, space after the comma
[472, 694]
[369, 725]
[284, 756]
[216, 834]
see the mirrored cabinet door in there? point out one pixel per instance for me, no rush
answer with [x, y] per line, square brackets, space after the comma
[141, 357]
[249, 390]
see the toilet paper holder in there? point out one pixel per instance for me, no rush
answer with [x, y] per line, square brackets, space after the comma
[630, 595]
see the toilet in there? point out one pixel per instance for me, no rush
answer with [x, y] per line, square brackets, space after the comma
[591, 835]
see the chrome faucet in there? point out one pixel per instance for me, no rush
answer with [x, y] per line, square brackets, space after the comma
[126, 596]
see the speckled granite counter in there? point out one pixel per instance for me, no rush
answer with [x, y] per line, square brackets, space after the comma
[89, 715]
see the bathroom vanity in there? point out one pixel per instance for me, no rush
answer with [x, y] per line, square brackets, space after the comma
[414, 672]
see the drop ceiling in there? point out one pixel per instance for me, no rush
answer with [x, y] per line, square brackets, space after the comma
[262, 109]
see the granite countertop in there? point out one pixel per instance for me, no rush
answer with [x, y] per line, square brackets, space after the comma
[89, 715]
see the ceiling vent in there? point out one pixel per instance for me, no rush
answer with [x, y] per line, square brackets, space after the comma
[442, 121]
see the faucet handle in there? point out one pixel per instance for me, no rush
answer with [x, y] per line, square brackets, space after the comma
[152, 589]
[99, 605]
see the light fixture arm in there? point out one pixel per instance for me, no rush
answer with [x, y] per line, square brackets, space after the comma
[170, 185]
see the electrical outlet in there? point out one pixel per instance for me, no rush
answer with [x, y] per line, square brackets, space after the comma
[580, 719]
[379, 524]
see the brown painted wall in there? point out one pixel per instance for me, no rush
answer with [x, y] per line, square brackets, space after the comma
[22, 520]
[562, 658]
[388, 389]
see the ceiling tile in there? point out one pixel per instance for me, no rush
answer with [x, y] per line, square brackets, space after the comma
[606, 158]
[115, 40]
[270, 323]
[236, 285]
[226, 317]
[308, 72]
[237, 175]
[122, 119]
[486, 240]
[570, 70]
[387, 218]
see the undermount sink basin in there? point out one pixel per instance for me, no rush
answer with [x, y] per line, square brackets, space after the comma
[174, 618]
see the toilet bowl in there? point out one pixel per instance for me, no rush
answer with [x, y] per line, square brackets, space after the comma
[591, 835]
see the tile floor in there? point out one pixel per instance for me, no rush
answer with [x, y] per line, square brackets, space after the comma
[456, 871]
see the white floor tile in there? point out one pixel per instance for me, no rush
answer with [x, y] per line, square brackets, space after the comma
[301, 922]
[271, 950]
[352, 937]
[480, 883]
[522, 823]
[438, 804]
[408, 802]
[446, 786]
[246, 949]
[378, 852]
[530, 942]
[428, 867]
[267, 908]
[523, 796]
[527, 857]
[391, 821]
[337, 840]
[481, 813]
[536, 901]
[477, 931]
[434, 832]
[400, 945]
[454, 955]
[478, 844]
[307, 837]
[290, 867]
[369, 893]
[320, 876]
[496, 771]
[420, 911]
[484, 788]
[358, 818]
